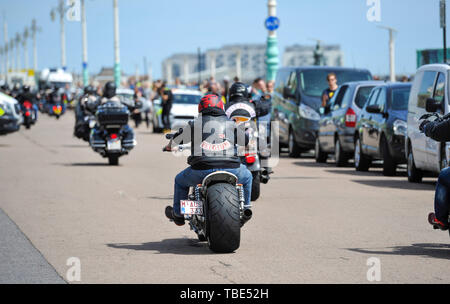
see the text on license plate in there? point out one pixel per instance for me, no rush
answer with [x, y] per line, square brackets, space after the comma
[114, 144]
[191, 207]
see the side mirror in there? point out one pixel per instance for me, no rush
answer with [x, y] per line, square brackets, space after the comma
[373, 109]
[432, 105]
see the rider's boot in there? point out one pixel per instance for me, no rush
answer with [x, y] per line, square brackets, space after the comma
[179, 221]
[437, 224]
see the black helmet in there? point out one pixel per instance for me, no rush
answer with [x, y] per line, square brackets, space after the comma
[109, 90]
[26, 88]
[239, 90]
[89, 90]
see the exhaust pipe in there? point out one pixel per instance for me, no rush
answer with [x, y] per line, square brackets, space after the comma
[246, 216]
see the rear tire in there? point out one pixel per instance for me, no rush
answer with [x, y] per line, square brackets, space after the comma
[414, 175]
[339, 154]
[113, 160]
[362, 162]
[389, 164]
[321, 157]
[223, 218]
[256, 186]
[294, 149]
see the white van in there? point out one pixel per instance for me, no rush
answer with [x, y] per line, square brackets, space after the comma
[425, 155]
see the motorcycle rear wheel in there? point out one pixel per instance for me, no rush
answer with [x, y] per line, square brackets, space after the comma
[223, 218]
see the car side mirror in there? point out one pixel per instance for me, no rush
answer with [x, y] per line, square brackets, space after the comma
[373, 109]
[432, 105]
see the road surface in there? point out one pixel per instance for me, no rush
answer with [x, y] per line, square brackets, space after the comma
[313, 223]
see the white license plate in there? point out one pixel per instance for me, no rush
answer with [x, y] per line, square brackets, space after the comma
[191, 207]
[114, 144]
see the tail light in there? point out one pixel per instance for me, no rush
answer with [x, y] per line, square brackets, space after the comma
[350, 118]
[27, 104]
[250, 158]
[113, 136]
[27, 113]
[55, 108]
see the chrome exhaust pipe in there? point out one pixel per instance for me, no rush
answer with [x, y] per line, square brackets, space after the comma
[246, 216]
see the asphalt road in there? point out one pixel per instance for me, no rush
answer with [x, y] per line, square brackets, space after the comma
[312, 224]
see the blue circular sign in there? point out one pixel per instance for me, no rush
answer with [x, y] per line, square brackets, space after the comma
[272, 23]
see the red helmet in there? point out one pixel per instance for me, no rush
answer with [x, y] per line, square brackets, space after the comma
[210, 100]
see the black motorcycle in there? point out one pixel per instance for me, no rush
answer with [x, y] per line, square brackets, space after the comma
[112, 137]
[215, 210]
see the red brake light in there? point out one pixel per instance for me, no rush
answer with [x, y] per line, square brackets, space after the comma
[27, 113]
[113, 136]
[250, 159]
[54, 108]
[27, 104]
[350, 118]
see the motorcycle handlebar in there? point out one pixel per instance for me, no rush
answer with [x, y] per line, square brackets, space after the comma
[169, 136]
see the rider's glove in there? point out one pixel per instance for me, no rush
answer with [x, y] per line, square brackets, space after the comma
[423, 125]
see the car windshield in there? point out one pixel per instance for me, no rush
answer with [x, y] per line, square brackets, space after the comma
[186, 99]
[399, 99]
[362, 95]
[314, 82]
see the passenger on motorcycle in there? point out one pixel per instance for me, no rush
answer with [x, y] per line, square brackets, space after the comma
[440, 131]
[213, 139]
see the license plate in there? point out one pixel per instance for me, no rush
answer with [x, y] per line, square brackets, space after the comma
[191, 207]
[114, 144]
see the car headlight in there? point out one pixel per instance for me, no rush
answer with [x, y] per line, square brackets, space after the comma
[308, 112]
[400, 127]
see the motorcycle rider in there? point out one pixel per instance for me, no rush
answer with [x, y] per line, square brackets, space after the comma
[440, 131]
[216, 151]
[26, 95]
[241, 93]
[85, 106]
[109, 95]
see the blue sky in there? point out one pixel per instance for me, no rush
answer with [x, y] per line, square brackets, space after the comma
[157, 29]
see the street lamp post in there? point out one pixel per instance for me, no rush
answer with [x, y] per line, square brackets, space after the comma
[26, 34]
[272, 45]
[5, 40]
[61, 11]
[84, 41]
[391, 52]
[117, 72]
[34, 29]
[17, 43]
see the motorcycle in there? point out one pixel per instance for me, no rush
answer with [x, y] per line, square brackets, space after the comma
[29, 117]
[111, 138]
[250, 156]
[215, 209]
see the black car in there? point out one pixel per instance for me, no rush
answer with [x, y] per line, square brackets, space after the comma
[381, 129]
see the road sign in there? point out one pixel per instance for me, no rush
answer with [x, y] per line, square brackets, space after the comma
[272, 23]
[73, 11]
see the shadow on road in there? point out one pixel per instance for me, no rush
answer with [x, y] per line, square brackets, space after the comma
[75, 146]
[397, 184]
[87, 165]
[182, 246]
[161, 198]
[311, 165]
[437, 251]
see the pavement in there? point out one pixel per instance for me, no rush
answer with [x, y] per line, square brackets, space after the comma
[314, 223]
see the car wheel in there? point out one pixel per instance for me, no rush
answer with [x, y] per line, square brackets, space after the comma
[294, 150]
[362, 162]
[321, 157]
[339, 154]
[389, 165]
[414, 175]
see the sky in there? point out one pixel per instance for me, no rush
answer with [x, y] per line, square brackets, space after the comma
[158, 29]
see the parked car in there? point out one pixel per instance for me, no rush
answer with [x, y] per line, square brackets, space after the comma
[381, 128]
[10, 116]
[297, 99]
[425, 155]
[338, 121]
[184, 108]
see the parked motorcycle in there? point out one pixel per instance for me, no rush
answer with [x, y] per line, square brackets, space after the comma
[215, 210]
[112, 138]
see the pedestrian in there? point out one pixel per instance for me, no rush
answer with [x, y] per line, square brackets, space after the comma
[329, 92]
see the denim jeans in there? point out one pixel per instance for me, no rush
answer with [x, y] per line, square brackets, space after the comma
[190, 177]
[442, 197]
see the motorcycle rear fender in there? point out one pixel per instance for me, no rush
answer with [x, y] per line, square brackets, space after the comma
[220, 176]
